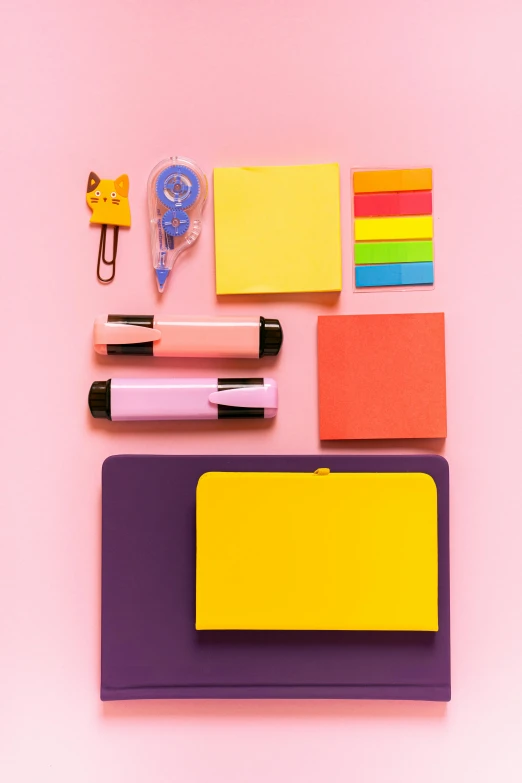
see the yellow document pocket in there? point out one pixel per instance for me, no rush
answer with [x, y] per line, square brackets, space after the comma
[317, 551]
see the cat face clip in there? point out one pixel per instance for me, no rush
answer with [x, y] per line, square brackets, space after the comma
[109, 201]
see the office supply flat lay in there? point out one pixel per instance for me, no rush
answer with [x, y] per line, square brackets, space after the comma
[280, 576]
[393, 228]
[321, 128]
[169, 399]
[277, 229]
[238, 337]
[316, 551]
[109, 201]
[382, 376]
[177, 191]
[150, 647]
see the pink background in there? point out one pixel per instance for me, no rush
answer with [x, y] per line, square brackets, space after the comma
[116, 87]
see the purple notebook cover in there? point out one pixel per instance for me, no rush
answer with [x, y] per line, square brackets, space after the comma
[150, 648]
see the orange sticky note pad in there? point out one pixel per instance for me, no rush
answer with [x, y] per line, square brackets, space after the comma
[382, 376]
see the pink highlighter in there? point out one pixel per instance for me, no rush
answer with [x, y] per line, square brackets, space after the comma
[163, 399]
[232, 337]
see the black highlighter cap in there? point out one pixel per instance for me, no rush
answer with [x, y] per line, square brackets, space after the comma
[270, 337]
[100, 399]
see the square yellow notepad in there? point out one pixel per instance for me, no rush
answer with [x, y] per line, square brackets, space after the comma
[277, 229]
[297, 551]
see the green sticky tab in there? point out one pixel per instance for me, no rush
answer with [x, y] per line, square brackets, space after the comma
[393, 252]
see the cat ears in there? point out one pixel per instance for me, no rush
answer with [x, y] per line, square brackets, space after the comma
[121, 185]
[92, 182]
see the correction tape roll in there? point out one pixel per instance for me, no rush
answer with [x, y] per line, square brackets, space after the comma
[177, 191]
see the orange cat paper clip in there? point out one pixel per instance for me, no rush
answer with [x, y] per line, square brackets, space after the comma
[109, 201]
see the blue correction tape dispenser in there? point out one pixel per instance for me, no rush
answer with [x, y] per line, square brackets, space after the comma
[177, 191]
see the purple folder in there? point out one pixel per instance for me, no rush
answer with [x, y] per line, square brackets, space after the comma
[150, 648]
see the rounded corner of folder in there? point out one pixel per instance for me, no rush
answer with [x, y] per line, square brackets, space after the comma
[204, 479]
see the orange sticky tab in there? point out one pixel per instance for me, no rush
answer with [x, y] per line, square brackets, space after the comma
[392, 180]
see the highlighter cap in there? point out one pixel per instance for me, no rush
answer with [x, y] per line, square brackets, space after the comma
[270, 337]
[100, 399]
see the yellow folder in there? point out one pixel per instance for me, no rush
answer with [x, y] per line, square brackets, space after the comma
[317, 551]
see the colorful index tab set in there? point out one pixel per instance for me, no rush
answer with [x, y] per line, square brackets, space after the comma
[278, 576]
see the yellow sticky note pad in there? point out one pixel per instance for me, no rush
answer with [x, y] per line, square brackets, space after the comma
[277, 229]
[299, 551]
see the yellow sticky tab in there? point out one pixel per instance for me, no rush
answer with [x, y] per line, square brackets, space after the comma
[277, 229]
[392, 180]
[386, 228]
[297, 551]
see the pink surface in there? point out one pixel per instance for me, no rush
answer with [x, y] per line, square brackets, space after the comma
[95, 86]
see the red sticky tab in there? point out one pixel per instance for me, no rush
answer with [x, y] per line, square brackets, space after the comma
[412, 202]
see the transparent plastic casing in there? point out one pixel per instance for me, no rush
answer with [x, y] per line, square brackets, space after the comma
[177, 191]
[387, 288]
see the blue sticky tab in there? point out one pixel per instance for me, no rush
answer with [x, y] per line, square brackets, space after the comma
[394, 274]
